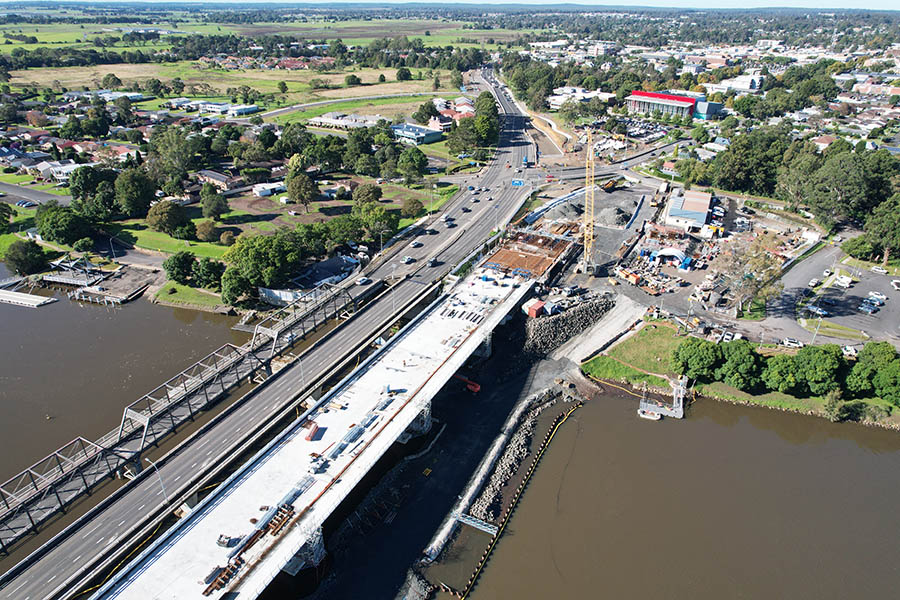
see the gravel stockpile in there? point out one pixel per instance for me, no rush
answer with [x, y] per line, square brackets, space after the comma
[545, 334]
[612, 216]
[489, 503]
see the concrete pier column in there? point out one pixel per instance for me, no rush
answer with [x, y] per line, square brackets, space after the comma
[310, 555]
[484, 350]
[422, 423]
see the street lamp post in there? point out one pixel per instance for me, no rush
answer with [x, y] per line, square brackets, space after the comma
[161, 484]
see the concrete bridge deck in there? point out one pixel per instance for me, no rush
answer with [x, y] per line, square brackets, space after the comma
[257, 522]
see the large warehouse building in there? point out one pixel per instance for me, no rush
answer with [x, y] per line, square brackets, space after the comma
[673, 104]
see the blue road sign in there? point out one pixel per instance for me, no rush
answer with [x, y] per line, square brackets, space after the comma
[517, 182]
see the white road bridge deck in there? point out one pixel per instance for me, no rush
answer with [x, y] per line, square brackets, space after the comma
[274, 504]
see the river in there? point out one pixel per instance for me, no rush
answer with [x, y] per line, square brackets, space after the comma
[732, 502]
[70, 369]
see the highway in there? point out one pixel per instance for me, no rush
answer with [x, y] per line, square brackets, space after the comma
[51, 573]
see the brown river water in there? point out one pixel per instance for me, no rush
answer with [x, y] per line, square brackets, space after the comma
[80, 365]
[732, 502]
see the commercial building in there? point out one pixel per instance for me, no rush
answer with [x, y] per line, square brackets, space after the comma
[415, 135]
[695, 106]
[688, 211]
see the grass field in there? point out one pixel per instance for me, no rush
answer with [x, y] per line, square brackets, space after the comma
[362, 106]
[649, 349]
[605, 367]
[893, 267]
[23, 220]
[176, 293]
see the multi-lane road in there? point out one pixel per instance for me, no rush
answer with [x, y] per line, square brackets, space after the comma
[51, 572]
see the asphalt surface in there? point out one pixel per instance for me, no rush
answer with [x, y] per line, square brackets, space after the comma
[14, 193]
[50, 574]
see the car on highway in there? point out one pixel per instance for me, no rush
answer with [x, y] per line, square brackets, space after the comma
[490, 198]
[474, 199]
[877, 269]
[896, 285]
[363, 281]
[407, 259]
[432, 262]
[813, 282]
[879, 295]
[471, 187]
[465, 209]
[451, 224]
[791, 343]
[415, 244]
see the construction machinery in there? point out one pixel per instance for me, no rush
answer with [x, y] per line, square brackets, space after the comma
[587, 262]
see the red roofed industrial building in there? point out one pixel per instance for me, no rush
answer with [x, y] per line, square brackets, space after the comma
[648, 102]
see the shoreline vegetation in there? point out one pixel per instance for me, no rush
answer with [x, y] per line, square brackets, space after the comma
[646, 357]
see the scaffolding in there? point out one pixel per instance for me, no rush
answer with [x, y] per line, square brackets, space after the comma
[589, 205]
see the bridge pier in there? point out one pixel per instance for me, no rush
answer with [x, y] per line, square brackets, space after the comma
[311, 554]
[486, 347]
[422, 423]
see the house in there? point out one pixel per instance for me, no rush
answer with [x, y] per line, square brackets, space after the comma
[823, 141]
[268, 189]
[408, 133]
[668, 168]
[220, 180]
[440, 122]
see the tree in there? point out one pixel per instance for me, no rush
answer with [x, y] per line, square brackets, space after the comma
[7, 212]
[697, 358]
[25, 257]
[883, 225]
[352, 80]
[302, 189]
[411, 207]
[873, 358]
[742, 367]
[207, 273]
[412, 164]
[403, 74]
[282, 87]
[85, 244]
[234, 285]
[179, 266]
[367, 192]
[456, 79]
[753, 270]
[375, 219]
[780, 374]
[436, 84]
[425, 111]
[227, 238]
[60, 224]
[381, 78]
[166, 216]
[207, 231]
[111, 81]
[71, 129]
[83, 181]
[819, 367]
[134, 192]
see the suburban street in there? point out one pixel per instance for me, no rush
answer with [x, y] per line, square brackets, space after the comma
[52, 573]
[14, 193]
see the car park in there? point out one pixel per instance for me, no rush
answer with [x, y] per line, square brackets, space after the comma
[877, 269]
[792, 343]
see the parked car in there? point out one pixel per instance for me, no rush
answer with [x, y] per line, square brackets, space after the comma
[817, 310]
[727, 336]
[877, 269]
[879, 295]
[792, 343]
[826, 273]
[873, 301]
[896, 284]
[849, 351]
[813, 283]
[867, 308]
